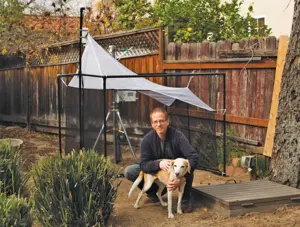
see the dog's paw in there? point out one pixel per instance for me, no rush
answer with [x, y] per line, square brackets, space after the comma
[179, 211]
[164, 204]
[136, 206]
[171, 215]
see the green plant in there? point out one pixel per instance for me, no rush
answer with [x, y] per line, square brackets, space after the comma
[11, 179]
[192, 20]
[76, 190]
[15, 211]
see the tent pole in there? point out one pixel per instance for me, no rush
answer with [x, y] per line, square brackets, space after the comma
[80, 79]
[104, 114]
[59, 115]
[116, 144]
[224, 124]
[188, 120]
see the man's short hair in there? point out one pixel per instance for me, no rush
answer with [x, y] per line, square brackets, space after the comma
[159, 109]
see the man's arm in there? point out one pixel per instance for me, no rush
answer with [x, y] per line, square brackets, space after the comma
[187, 149]
[147, 164]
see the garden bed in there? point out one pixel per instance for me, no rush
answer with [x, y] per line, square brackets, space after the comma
[38, 146]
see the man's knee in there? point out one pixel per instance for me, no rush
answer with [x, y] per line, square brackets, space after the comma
[132, 172]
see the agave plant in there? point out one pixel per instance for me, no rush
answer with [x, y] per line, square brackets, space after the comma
[76, 190]
[12, 181]
[15, 211]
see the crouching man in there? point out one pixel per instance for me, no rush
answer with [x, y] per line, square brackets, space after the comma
[168, 143]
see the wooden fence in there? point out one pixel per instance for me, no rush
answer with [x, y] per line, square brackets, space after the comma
[29, 94]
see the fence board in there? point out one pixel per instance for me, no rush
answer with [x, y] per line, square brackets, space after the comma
[248, 90]
[282, 49]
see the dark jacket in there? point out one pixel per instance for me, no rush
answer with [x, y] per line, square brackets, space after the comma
[179, 148]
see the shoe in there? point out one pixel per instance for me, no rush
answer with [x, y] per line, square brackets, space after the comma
[187, 208]
[150, 200]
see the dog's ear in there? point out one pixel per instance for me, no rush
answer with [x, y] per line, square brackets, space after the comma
[188, 166]
[172, 166]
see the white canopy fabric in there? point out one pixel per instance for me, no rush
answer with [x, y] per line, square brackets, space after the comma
[96, 61]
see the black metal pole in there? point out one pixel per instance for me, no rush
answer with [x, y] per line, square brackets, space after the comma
[80, 80]
[188, 120]
[224, 124]
[144, 75]
[117, 153]
[104, 114]
[59, 115]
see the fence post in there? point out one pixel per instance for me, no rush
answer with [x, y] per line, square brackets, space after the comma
[29, 96]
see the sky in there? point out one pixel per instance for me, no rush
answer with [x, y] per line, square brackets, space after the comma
[74, 5]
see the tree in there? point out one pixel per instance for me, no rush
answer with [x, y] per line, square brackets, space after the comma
[134, 14]
[286, 153]
[192, 20]
[101, 19]
[26, 26]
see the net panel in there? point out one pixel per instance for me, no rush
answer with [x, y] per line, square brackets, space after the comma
[132, 123]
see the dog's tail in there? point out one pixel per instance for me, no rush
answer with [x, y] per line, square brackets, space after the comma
[136, 183]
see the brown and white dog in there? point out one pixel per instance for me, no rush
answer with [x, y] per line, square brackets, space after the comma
[177, 170]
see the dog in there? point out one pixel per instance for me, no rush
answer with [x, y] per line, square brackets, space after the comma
[178, 169]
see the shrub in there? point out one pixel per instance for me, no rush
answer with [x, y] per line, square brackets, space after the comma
[76, 190]
[11, 163]
[15, 211]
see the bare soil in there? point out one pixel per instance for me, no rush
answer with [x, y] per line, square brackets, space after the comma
[38, 146]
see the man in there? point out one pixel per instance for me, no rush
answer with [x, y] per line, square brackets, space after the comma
[164, 142]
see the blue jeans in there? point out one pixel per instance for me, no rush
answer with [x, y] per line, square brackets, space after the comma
[132, 172]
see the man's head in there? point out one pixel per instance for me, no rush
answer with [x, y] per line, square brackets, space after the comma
[159, 121]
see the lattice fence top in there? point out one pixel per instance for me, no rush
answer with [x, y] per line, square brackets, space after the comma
[132, 44]
[127, 44]
[57, 55]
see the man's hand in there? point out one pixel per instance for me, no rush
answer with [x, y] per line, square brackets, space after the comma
[172, 184]
[165, 164]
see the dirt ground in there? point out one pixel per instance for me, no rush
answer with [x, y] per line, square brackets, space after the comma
[37, 146]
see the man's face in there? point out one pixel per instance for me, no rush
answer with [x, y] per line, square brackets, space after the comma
[159, 123]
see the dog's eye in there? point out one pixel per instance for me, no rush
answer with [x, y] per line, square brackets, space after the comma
[175, 165]
[181, 166]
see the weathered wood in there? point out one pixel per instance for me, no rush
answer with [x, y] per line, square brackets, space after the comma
[271, 43]
[219, 117]
[181, 57]
[282, 50]
[253, 196]
[266, 64]
[240, 139]
[268, 91]
[214, 60]
[247, 53]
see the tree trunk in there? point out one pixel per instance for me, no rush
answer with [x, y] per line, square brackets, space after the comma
[286, 153]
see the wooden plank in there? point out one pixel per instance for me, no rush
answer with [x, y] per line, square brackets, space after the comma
[282, 50]
[259, 108]
[242, 99]
[219, 117]
[266, 64]
[13, 118]
[234, 94]
[270, 76]
[228, 91]
[247, 53]
[161, 45]
[251, 149]
[252, 191]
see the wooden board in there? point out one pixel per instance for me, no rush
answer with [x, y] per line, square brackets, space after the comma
[282, 50]
[253, 196]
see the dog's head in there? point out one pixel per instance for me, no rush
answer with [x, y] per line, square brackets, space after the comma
[180, 167]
